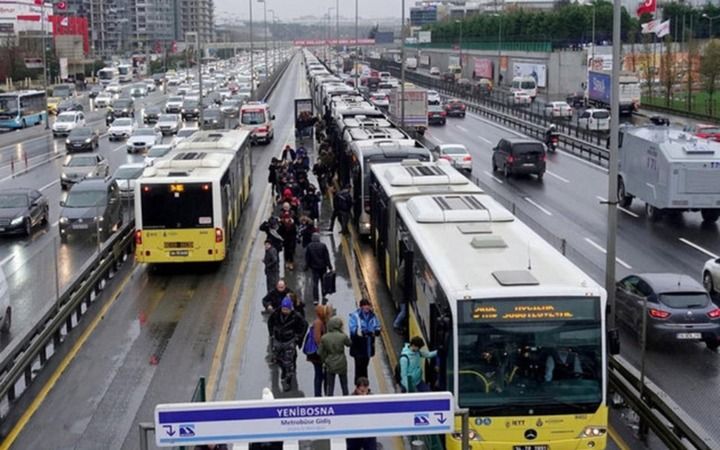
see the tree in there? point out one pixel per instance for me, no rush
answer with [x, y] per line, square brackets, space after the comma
[668, 70]
[692, 50]
[710, 70]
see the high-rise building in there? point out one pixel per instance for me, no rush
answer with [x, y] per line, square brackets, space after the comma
[152, 23]
[110, 23]
[194, 16]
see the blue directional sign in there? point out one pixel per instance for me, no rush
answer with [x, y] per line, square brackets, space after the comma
[303, 418]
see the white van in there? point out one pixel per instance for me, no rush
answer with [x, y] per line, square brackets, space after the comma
[526, 85]
[595, 119]
[5, 308]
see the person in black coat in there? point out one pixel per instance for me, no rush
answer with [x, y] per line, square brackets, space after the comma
[317, 259]
[288, 231]
[271, 301]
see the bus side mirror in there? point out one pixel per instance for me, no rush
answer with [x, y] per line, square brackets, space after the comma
[613, 338]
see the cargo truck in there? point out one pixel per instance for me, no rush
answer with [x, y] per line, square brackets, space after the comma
[599, 88]
[415, 107]
[670, 170]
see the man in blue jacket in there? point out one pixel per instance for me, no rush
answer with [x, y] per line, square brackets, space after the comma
[364, 327]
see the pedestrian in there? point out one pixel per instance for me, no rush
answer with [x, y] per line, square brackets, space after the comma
[303, 159]
[273, 170]
[317, 259]
[332, 354]
[362, 387]
[272, 299]
[272, 266]
[286, 328]
[342, 205]
[270, 227]
[306, 229]
[311, 202]
[318, 329]
[288, 154]
[364, 326]
[288, 231]
[411, 365]
[298, 304]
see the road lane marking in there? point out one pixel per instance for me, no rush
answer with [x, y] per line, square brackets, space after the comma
[619, 441]
[49, 185]
[554, 175]
[600, 248]
[7, 259]
[626, 211]
[31, 167]
[461, 128]
[62, 367]
[698, 248]
[120, 147]
[493, 177]
[537, 205]
[487, 141]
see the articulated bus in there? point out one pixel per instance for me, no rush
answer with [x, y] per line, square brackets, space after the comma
[189, 203]
[519, 329]
[22, 109]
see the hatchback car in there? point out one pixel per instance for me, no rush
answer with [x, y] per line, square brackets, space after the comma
[82, 139]
[558, 109]
[678, 308]
[143, 139]
[381, 100]
[168, 124]
[22, 209]
[519, 156]
[231, 107]
[125, 176]
[92, 207]
[457, 154]
[158, 151]
[122, 128]
[455, 107]
[76, 168]
[519, 98]
[66, 122]
[150, 114]
[595, 119]
[435, 71]
[436, 115]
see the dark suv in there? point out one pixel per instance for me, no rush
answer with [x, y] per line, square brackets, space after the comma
[190, 109]
[92, 207]
[519, 156]
[120, 107]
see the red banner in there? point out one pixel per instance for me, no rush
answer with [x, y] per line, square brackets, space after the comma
[71, 26]
[483, 68]
[646, 6]
[316, 42]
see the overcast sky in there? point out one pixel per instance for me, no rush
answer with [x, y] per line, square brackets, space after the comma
[290, 9]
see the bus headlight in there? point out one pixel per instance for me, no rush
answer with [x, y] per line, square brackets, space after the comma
[593, 432]
[472, 434]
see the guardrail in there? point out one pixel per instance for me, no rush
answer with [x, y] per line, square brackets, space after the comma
[33, 352]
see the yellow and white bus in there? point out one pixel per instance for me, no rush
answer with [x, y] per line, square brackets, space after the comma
[189, 203]
[519, 329]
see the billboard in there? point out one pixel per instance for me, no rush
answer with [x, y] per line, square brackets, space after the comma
[483, 68]
[453, 60]
[22, 15]
[424, 60]
[537, 71]
[424, 37]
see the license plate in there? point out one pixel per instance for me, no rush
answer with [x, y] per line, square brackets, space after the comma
[531, 447]
[528, 164]
[2, 229]
[80, 226]
[77, 145]
[178, 253]
[689, 335]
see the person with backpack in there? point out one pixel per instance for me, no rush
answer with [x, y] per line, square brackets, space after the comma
[332, 354]
[364, 327]
[342, 205]
[362, 387]
[411, 366]
[317, 330]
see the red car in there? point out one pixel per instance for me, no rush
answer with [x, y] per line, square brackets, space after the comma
[455, 107]
[711, 132]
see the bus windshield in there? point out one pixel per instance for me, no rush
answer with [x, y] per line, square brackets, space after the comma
[176, 206]
[106, 74]
[539, 355]
[8, 105]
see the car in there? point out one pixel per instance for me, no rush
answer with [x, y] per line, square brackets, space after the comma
[122, 107]
[168, 123]
[182, 134]
[558, 109]
[114, 88]
[595, 119]
[150, 114]
[173, 105]
[143, 139]
[82, 139]
[157, 152]
[436, 115]
[66, 122]
[150, 85]
[213, 119]
[158, 78]
[519, 98]
[519, 156]
[576, 99]
[21, 209]
[103, 99]
[434, 70]
[381, 100]
[433, 98]
[705, 131]
[69, 105]
[92, 207]
[455, 107]
[125, 176]
[678, 308]
[456, 154]
[190, 109]
[76, 168]
[138, 91]
[121, 129]
[231, 107]
[95, 91]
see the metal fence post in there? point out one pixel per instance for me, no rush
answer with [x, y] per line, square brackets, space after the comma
[144, 427]
[563, 246]
[465, 427]
[418, 445]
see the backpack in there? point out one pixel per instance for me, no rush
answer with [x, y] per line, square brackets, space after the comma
[309, 345]
[397, 375]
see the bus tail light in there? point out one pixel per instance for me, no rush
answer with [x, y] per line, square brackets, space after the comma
[218, 235]
[138, 237]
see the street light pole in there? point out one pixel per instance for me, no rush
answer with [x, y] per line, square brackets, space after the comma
[252, 55]
[710, 19]
[271, 11]
[329, 17]
[45, 67]
[402, 66]
[460, 44]
[337, 23]
[357, 45]
[266, 33]
[593, 32]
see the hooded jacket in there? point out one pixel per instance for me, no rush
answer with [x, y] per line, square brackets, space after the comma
[332, 347]
[411, 364]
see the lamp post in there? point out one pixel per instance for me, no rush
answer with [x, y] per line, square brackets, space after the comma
[45, 68]
[710, 19]
[196, 35]
[271, 11]
[402, 65]
[357, 45]
[252, 55]
[329, 16]
[593, 33]
[460, 45]
[337, 23]
[265, 34]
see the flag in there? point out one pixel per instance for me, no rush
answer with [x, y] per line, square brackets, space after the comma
[646, 7]
[663, 29]
[648, 27]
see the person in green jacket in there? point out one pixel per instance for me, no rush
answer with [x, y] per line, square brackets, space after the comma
[411, 370]
[332, 353]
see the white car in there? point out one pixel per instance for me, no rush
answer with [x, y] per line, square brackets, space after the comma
[150, 85]
[157, 152]
[125, 176]
[114, 88]
[595, 119]
[143, 139]
[456, 154]
[183, 134]
[121, 128]
[138, 91]
[434, 70]
[520, 98]
[381, 100]
[558, 109]
[168, 123]
[174, 104]
[711, 276]
[66, 122]
[103, 99]
[433, 98]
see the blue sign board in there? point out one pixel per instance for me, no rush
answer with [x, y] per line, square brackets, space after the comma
[303, 418]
